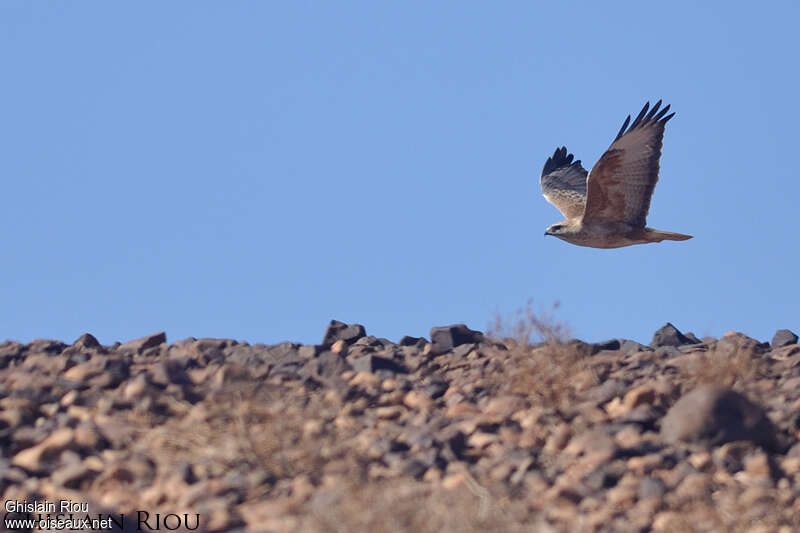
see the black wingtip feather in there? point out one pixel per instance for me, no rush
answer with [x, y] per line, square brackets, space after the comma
[622, 129]
[640, 115]
[561, 158]
[661, 114]
[652, 112]
[644, 118]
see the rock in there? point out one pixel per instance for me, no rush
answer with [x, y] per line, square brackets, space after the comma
[170, 371]
[327, 365]
[73, 475]
[115, 370]
[503, 406]
[412, 341]
[612, 345]
[83, 372]
[308, 351]
[33, 459]
[338, 346]
[692, 338]
[46, 346]
[735, 343]
[418, 400]
[446, 338]
[628, 347]
[135, 388]
[669, 335]
[389, 412]
[651, 487]
[340, 331]
[639, 395]
[143, 343]
[607, 390]
[714, 415]
[462, 350]
[593, 447]
[435, 387]
[87, 340]
[783, 337]
[373, 363]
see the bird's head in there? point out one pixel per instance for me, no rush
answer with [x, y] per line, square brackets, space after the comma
[556, 229]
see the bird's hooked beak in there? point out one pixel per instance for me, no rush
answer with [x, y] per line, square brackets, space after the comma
[547, 232]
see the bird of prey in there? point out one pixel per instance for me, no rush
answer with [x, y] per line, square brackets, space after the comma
[607, 207]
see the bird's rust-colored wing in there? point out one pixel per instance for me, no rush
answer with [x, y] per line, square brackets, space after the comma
[622, 181]
[564, 183]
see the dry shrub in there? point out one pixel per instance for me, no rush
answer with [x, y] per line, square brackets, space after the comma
[261, 428]
[403, 506]
[728, 367]
[724, 511]
[527, 327]
[548, 371]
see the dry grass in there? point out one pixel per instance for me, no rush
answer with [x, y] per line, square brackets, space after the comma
[528, 327]
[729, 367]
[402, 506]
[542, 364]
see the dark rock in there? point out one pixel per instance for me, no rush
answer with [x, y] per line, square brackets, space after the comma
[731, 456]
[308, 351]
[369, 340]
[171, 371]
[115, 370]
[651, 487]
[340, 331]
[603, 477]
[714, 415]
[435, 388]
[419, 342]
[327, 365]
[245, 356]
[73, 475]
[612, 344]
[794, 451]
[628, 347]
[284, 350]
[606, 391]
[46, 346]
[186, 473]
[462, 351]
[373, 363]
[446, 338]
[783, 337]
[734, 343]
[143, 343]
[644, 415]
[415, 468]
[10, 351]
[580, 347]
[665, 352]
[87, 340]
[289, 366]
[669, 335]
[691, 336]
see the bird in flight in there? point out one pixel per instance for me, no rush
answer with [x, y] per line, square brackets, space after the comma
[607, 207]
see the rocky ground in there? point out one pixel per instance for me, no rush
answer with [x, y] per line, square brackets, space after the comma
[461, 432]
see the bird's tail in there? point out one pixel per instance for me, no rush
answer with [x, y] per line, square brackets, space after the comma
[657, 235]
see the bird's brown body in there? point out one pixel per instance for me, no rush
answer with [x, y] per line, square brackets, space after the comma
[607, 207]
[614, 235]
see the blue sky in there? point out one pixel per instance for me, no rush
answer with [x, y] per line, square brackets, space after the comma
[253, 169]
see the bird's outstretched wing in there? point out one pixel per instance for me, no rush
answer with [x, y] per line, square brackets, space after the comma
[564, 183]
[621, 183]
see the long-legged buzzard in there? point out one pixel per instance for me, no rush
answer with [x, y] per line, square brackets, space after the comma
[608, 208]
